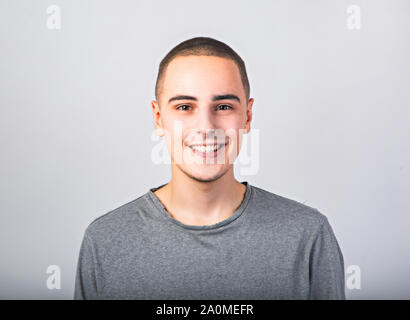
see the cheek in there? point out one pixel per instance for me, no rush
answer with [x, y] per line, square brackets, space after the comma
[174, 130]
[172, 125]
[234, 121]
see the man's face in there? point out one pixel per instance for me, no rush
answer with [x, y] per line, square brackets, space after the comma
[202, 111]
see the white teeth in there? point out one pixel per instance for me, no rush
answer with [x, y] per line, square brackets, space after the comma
[206, 149]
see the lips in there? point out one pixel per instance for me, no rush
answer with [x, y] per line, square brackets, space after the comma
[206, 147]
[207, 150]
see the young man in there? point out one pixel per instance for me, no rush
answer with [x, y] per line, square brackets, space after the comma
[205, 235]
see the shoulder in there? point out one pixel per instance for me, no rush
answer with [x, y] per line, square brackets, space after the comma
[276, 208]
[116, 221]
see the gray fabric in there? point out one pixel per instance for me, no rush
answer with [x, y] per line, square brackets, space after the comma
[272, 247]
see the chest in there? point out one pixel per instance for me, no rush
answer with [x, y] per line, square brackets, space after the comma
[207, 268]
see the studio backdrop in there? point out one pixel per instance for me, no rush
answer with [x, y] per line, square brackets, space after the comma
[330, 129]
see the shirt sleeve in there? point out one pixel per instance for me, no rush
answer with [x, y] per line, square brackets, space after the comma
[327, 280]
[86, 281]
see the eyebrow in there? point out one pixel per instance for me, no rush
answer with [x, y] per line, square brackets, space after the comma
[214, 98]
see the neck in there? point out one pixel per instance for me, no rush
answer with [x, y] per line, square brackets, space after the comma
[201, 203]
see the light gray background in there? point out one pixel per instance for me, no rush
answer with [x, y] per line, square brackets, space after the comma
[331, 104]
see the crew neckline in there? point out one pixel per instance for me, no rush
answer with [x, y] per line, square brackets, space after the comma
[238, 212]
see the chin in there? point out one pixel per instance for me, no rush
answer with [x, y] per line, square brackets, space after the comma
[205, 176]
[207, 179]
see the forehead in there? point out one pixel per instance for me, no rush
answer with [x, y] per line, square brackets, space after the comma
[202, 76]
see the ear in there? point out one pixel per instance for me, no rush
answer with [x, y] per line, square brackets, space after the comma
[156, 112]
[249, 115]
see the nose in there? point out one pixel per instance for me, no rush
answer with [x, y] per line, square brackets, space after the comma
[204, 121]
[204, 126]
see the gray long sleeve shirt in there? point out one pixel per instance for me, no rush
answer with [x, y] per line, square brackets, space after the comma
[271, 247]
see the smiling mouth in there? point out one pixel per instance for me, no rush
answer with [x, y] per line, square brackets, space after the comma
[207, 149]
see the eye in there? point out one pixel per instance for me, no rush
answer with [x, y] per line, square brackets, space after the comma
[182, 107]
[224, 107]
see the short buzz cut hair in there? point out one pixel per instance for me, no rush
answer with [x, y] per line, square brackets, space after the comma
[202, 46]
